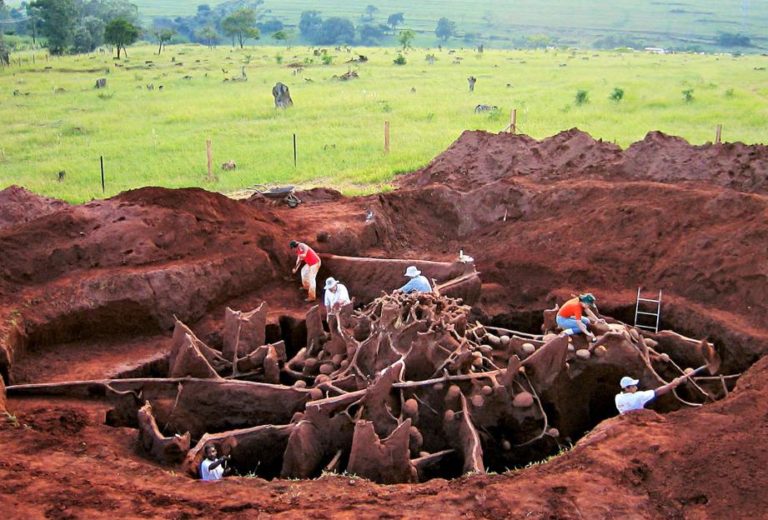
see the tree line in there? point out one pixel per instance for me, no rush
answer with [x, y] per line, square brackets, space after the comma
[79, 26]
[241, 20]
[76, 26]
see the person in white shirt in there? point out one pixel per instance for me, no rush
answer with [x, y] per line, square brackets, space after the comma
[212, 468]
[336, 295]
[631, 398]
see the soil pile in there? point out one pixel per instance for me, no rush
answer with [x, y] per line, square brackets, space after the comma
[477, 158]
[542, 219]
[18, 205]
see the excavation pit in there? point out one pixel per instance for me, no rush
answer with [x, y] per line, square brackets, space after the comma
[543, 219]
[404, 389]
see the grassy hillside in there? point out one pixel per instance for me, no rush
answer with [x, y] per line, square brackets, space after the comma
[57, 121]
[655, 22]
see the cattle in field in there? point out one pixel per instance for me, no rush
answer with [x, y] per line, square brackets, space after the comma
[485, 108]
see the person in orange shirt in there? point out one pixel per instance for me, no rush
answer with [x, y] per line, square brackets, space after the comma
[571, 317]
[311, 260]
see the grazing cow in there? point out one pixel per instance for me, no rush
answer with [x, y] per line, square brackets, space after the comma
[485, 108]
[101, 83]
[62, 174]
[472, 80]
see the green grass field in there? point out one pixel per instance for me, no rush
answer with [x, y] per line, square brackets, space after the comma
[661, 23]
[158, 137]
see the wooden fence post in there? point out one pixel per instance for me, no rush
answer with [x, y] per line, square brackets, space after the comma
[718, 134]
[209, 153]
[294, 151]
[101, 161]
[386, 136]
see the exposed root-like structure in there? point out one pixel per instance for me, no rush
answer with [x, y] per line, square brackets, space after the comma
[401, 390]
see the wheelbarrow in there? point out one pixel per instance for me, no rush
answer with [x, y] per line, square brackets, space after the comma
[279, 193]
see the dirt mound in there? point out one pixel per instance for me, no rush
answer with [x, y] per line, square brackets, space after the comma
[477, 158]
[542, 219]
[665, 158]
[18, 205]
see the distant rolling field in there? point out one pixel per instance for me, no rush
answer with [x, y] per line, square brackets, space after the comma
[662, 22]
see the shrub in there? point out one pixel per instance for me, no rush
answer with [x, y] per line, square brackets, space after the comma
[279, 59]
[582, 97]
[617, 94]
[688, 95]
[400, 60]
[327, 60]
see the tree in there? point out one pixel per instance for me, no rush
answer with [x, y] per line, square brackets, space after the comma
[163, 35]
[336, 30]
[208, 35]
[733, 40]
[309, 24]
[58, 20]
[109, 10]
[95, 27]
[280, 36]
[33, 21]
[82, 41]
[445, 29]
[4, 56]
[405, 38]
[395, 19]
[370, 10]
[241, 24]
[120, 32]
[270, 26]
[371, 34]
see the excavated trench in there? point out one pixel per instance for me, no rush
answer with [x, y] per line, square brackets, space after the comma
[405, 388]
[396, 389]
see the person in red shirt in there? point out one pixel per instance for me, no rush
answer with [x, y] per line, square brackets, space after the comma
[311, 260]
[570, 317]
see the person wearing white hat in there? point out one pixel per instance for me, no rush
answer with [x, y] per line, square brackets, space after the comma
[336, 295]
[631, 398]
[417, 283]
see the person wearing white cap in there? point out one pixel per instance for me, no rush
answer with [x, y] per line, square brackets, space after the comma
[417, 283]
[336, 295]
[631, 398]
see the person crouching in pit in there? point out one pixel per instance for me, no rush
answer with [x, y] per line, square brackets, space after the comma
[213, 468]
[336, 296]
[311, 260]
[570, 318]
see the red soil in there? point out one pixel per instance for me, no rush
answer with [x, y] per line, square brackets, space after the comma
[87, 289]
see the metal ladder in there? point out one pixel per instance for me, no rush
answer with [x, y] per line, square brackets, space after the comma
[648, 315]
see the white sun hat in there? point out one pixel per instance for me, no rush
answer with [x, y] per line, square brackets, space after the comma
[330, 282]
[628, 381]
[412, 272]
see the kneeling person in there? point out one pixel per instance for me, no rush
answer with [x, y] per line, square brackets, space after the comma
[570, 318]
[417, 283]
[336, 295]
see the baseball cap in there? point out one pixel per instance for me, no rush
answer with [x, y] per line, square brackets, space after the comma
[628, 381]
